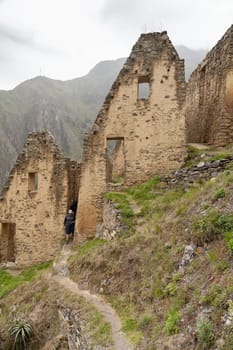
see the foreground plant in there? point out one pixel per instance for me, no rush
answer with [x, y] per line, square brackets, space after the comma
[205, 334]
[20, 334]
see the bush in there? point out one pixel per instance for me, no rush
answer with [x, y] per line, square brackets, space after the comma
[172, 322]
[192, 156]
[228, 236]
[220, 193]
[205, 334]
[211, 225]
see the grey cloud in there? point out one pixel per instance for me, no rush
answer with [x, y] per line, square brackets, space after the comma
[12, 36]
[15, 36]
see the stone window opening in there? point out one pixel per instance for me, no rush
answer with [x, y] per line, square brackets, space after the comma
[7, 242]
[143, 87]
[115, 162]
[33, 182]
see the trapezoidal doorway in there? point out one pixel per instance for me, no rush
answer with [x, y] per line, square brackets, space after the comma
[7, 242]
[115, 164]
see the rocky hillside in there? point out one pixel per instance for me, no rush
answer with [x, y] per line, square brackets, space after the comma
[167, 272]
[66, 109]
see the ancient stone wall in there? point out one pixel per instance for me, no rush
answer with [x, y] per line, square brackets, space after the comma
[34, 202]
[209, 97]
[143, 111]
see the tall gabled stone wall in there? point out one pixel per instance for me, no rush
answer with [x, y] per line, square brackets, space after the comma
[34, 202]
[209, 97]
[150, 130]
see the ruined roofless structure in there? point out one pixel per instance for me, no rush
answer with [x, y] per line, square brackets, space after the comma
[209, 101]
[40, 187]
[139, 131]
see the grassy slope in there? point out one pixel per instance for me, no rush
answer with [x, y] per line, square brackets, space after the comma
[139, 273]
[34, 298]
[160, 304]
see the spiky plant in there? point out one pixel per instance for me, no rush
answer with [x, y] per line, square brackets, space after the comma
[20, 334]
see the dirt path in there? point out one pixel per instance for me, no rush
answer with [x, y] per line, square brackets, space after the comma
[62, 277]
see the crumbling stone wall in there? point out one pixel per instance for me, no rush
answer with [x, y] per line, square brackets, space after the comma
[34, 202]
[209, 97]
[151, 129]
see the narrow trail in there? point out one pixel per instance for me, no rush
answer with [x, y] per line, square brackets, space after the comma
[62, 277]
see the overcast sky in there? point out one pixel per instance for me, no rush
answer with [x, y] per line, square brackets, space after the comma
[64, 39]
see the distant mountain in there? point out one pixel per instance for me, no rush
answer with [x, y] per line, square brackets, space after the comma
[65, 108]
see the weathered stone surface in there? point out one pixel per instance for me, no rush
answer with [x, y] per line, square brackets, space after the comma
[111, 225]
[149, 132]
[31, 218]
[207, 170]
[209, 97]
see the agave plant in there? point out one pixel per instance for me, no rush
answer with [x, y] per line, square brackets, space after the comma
[20, 334]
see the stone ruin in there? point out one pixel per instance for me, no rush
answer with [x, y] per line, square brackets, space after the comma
[209, 97]
[34, 201]
[141, 131]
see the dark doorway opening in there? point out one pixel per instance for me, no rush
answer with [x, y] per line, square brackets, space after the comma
[7, 242]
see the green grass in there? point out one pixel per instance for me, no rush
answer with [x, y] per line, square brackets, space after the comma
[212, 224]
[205, 334]
[172, 322]
[126, 311]
[9, 282]
[192, 155]
[145, 191]
[220, 156]
[87, 247]
[99, 329]
[122, 202]
[220, 193]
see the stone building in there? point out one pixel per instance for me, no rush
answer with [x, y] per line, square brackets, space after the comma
[40, 188]
[209, 97]
[140, 129]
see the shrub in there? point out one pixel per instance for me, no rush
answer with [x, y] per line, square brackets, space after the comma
[220, 193]
[205, 334]
[172, 322]
[206, 227]
[228, 236]
[193, 154]
[171, 289]
[145, 321]
[212, 224]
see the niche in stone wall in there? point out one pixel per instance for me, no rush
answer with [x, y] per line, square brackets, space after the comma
[7, 242]
[115, 163]
[143, 87]
[32, 182]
